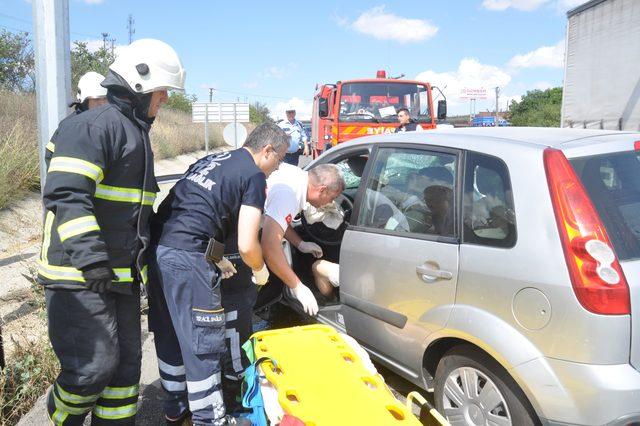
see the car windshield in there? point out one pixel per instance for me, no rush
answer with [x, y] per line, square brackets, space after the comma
[380, 101]
[613, 183]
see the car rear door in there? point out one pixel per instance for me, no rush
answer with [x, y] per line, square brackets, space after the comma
[399, 262]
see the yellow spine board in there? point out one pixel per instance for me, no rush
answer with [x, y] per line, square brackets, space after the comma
[322, 381]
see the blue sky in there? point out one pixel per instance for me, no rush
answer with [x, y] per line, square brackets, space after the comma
[276, 52]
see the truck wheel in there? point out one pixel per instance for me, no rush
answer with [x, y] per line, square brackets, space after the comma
[471, 388]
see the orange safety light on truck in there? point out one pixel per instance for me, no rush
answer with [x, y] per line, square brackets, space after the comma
[350, 109]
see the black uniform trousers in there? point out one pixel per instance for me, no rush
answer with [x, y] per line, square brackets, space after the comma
[97, 338]
[239, 296]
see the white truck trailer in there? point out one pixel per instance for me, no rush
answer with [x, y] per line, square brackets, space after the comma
[602, 66]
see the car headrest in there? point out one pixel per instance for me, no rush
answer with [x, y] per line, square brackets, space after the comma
[438, 173]
[357, 165]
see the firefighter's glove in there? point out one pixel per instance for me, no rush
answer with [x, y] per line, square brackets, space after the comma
[227, 270]
[310, 248]
[98, 277]
[306, 298]
[261, 276]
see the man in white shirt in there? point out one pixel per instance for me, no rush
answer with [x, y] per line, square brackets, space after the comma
[288, 191]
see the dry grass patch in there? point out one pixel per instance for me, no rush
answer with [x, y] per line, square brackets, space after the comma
[173, 134]
[18, 146]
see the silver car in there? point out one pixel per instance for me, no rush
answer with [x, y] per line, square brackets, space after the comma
[498, 268]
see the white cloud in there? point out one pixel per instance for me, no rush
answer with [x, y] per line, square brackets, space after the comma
[278, 72]
[545, 56]
[250, 84]
[506, 100]
[529, 5]
[569, 4]
[302, 106]
[525, 5]
[339, 20]
[543, 85]
[470, 74]
[378, 23]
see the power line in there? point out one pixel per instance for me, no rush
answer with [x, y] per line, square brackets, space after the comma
[15, 18]
[251, 94]
[15, 29]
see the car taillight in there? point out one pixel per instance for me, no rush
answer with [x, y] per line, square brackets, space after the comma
[596, 276]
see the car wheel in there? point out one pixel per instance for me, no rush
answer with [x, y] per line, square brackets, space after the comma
[471, 388]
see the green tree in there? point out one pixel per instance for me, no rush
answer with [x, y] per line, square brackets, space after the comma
[259, 113]
[83, 60]
[540, 108]
[181, 101]
[17, 72]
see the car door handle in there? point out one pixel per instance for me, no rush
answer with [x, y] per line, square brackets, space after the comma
[430, 275]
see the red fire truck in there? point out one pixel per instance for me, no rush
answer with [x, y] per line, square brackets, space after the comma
[354, 108]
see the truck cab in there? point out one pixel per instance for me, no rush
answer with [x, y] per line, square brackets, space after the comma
[354, 108]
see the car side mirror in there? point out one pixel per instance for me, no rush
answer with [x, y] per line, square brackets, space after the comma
[323, 107]
[442, 109]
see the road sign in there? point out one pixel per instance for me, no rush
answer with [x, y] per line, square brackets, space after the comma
[234, 134]
[218, 112]
[473, 93]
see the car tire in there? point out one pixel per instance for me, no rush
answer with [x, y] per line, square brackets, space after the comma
[495, 396]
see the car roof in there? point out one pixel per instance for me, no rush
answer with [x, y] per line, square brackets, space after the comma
[540, 136]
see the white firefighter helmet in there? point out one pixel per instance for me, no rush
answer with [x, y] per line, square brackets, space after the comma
[148, 65]
[89, 87]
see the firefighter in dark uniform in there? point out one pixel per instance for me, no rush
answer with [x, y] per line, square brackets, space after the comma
[98, 200]
[90, 94]
[220, 195]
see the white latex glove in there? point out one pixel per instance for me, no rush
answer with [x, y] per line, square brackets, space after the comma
[306, 298]
[261, 276]
[311, 248]
[227, 270]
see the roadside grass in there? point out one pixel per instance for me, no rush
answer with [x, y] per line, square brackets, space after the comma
[172, 134]
[31, 368]
[18, 150]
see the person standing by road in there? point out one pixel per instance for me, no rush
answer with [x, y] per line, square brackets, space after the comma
[90, 92]
[290, 189]
[407, 124]
[298, 138]
[98, 199]
[90, 95]
[219, 196]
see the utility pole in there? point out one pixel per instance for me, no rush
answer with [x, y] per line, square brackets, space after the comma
[113, 45]
[210, 94]
[497, 97]
[53, 69]
[132, 30]
[104, 40]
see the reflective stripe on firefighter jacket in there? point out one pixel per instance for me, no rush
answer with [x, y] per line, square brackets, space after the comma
[98, 196]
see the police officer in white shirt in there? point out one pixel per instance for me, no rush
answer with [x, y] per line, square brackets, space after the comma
[289, 189]
[299, 140]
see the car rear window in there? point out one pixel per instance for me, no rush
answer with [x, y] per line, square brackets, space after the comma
[613, 183]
